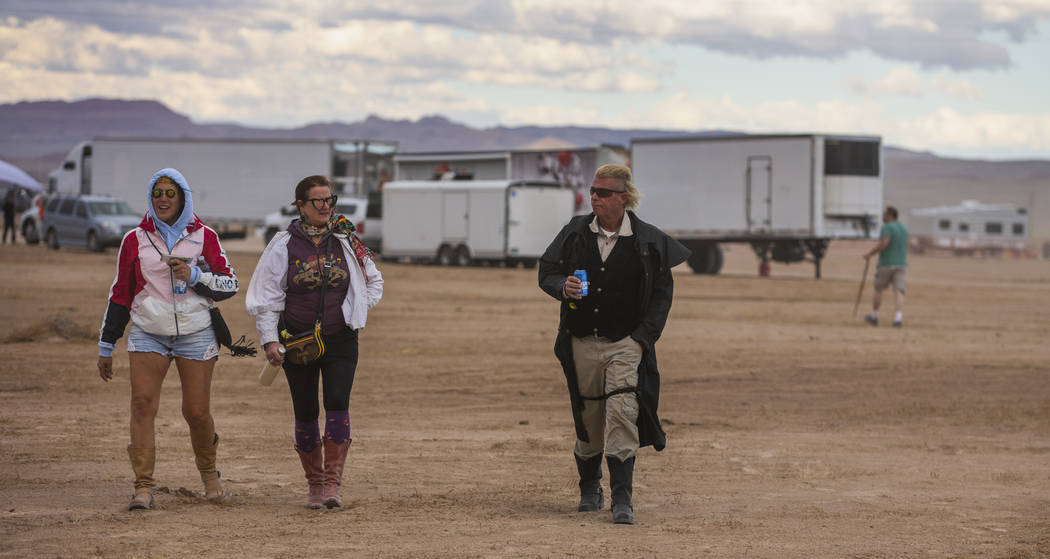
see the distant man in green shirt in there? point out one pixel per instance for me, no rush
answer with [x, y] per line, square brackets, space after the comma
[893, 261]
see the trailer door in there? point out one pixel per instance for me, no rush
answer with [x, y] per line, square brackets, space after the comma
[454, 226]
[534, 217]
[759, 198]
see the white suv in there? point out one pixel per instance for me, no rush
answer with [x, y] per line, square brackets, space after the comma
[353, 208]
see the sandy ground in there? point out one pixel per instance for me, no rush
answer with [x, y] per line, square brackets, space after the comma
[793, 429]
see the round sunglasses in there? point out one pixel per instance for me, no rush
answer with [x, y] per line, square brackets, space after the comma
[170, 192]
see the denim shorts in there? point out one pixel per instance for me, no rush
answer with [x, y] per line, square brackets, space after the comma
[199, 346]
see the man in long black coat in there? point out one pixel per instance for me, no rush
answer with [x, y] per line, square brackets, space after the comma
[606, 338]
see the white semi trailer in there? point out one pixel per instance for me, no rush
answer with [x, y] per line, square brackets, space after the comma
[462, 222]
[236, 182]
[783, 195]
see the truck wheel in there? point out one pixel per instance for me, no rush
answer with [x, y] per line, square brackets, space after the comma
[463, 256]
[92, 242]
[445, 255]
[30, 234]
[51, 239]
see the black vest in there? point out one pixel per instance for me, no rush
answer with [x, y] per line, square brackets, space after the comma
[611, 307]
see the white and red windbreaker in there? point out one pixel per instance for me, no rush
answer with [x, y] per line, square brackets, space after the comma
[144, 287]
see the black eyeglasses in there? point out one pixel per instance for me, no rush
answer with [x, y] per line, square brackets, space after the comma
[605, 192]
[170, 193]
[322, 203]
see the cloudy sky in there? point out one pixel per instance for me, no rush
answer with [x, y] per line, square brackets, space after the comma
[961, 78]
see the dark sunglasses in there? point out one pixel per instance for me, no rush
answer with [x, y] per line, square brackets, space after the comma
[605, 192]
[170, 193]
[322, 203]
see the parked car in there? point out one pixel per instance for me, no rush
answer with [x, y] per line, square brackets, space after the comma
[93, 222]
[353, 208]
[29, 221]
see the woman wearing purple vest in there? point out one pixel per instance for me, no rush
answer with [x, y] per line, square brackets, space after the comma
[286, 295]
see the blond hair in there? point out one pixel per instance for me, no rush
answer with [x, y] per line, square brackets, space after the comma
[622, 172]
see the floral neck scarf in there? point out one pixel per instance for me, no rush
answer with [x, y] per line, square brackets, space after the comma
[315, 230]
[339, 224]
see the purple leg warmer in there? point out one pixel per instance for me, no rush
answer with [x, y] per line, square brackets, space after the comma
[307, 436]
[337, 426]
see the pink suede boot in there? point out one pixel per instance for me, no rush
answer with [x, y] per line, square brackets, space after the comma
[313, 467]
[334, 460]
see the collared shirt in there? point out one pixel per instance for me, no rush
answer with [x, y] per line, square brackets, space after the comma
[606, 239]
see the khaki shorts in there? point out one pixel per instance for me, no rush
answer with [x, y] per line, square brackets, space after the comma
[890, 275]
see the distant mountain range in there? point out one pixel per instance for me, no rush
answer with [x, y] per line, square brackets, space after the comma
[36, 136]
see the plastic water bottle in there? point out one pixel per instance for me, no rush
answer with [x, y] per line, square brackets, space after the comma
[269, 370]
[180, 287]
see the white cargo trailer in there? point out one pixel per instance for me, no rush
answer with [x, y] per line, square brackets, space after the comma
[236, 182]
[782, 194]
[461, 222]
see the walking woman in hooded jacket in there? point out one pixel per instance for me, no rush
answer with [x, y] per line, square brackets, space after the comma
[286, 295]
[170, 270]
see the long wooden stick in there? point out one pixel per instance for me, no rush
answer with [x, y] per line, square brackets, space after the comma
[860, 292]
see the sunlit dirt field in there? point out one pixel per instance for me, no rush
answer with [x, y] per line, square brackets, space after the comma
[794, 429]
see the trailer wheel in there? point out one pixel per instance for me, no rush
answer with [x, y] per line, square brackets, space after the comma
[706, 258]
[718, 258]
[445, 255]
[463, 256]
[268, 236]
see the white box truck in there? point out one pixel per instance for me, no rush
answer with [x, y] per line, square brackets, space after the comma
[782, 194]
[236, 182]
[461, 222]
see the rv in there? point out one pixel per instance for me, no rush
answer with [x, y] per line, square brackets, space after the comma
[235, 182]
[969, 228]
[784, 195]
[463, 222]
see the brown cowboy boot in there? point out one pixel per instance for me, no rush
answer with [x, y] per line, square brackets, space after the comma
[313, 467]
[142, 461]
[334, 460]
[205, 455]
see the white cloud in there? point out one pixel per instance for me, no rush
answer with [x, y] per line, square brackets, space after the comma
[944, 130]
[956, 87]
[907, 82]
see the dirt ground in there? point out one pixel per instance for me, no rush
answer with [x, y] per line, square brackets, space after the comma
[794, 430]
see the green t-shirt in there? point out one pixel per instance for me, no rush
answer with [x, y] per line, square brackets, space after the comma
[895, 253]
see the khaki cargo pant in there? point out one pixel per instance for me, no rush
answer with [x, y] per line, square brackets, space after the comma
[601, 367]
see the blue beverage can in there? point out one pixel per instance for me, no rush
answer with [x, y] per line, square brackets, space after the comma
[584, 284]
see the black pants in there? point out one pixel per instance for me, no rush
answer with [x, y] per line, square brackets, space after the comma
[335, 368]
[9, 224]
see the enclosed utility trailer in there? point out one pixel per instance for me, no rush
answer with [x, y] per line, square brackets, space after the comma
[460, 222]
[784, 195]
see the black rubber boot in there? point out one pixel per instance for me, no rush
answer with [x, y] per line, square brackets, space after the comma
[621, 475]
[591, 498]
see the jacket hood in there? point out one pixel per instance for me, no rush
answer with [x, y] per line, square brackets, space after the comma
[171, 233]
